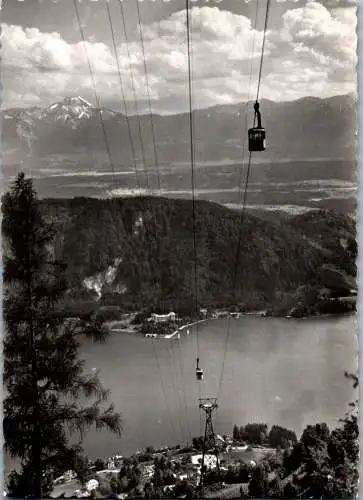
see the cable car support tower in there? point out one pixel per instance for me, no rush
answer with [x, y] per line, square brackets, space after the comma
[209, 405]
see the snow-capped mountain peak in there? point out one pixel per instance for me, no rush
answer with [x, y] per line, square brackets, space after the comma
[70, 109]
[72, 102]
[76, 101]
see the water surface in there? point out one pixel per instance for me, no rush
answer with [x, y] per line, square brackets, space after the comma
[280, 371]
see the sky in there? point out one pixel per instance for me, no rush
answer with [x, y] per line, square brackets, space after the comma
[310, 50]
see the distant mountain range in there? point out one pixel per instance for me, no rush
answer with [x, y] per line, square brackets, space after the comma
[308, 128]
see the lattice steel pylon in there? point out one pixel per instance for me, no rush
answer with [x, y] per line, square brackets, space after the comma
[208, 405]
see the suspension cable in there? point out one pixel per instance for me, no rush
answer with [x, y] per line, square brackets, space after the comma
[131, 146]
[240, 188]
[120, 2]
[192, 173]
[156, 161]
[179, 352]
[163, 390]
[107, 144]
[123, 97]
[263, 49]
[148, 94]
[242, 215]
[175, 382]
[159, 188]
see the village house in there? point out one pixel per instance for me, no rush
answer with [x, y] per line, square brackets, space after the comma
[210, 461]
[162, 318]
[148, 472]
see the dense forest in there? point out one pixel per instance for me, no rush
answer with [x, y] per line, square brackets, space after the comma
[296, 265]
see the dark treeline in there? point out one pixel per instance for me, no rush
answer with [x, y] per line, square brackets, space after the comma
[297, 265]
[276, 437]
[257, 434]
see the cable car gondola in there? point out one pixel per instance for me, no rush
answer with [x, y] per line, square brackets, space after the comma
[199, 371]
[257, 135]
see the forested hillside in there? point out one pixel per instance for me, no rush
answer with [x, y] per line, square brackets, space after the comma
[139, 253]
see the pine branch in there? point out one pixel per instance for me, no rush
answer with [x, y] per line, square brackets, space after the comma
[43, 373]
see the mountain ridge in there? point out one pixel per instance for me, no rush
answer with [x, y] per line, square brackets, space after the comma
[79, 98]
[309, 127]
[146, 245]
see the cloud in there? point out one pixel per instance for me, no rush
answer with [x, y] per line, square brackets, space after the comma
[312, 53]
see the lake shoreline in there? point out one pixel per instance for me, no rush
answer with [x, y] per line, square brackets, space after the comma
[135, 330]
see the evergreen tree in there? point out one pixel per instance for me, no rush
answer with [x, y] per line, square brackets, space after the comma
[255, 433]
[279, 437]
[326, 462]
[259, 484]
[42, 371]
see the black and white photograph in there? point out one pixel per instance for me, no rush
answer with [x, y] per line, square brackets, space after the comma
[179, 249]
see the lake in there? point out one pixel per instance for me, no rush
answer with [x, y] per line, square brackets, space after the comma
[278, 371]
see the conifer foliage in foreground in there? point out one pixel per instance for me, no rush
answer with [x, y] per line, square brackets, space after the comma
[43, 373]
